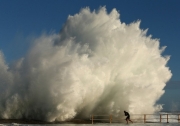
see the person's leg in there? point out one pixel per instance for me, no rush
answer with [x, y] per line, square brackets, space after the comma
[127, 120]
[130, 121]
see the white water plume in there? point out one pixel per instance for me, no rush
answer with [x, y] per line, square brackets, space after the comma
[96, 65]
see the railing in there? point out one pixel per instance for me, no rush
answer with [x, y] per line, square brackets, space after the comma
[144, 118]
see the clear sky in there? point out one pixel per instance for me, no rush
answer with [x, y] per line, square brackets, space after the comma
[21, 20]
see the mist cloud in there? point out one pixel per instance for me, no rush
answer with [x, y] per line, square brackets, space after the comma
[95, 65]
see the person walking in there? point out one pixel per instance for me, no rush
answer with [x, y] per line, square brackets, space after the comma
[128, 117]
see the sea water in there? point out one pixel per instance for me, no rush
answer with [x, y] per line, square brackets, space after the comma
[98, 124]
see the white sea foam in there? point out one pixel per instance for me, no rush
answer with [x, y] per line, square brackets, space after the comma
[95, 65]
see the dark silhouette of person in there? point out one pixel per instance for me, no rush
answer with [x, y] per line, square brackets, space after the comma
[128, 117]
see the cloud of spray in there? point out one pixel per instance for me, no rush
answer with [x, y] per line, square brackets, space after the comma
[96, 65]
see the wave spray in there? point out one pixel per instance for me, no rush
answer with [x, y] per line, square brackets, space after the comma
[95, 65]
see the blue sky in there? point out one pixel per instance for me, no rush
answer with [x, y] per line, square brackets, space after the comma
[21, 20]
